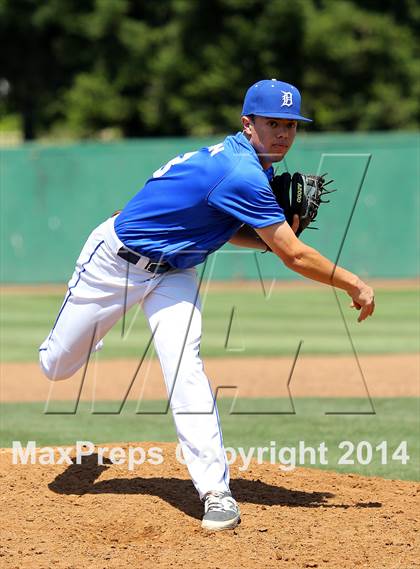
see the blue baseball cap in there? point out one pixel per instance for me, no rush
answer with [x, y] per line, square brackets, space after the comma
[272, 98]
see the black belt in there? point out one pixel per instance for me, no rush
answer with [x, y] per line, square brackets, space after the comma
[147, 264]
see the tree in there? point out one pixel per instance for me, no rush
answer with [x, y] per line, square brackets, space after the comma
[176, 67]
[41, 51]
[361, 70]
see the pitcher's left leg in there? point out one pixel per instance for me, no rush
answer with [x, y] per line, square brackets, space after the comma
[174, 315]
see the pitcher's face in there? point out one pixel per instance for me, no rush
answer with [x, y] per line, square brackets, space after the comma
[271, 137]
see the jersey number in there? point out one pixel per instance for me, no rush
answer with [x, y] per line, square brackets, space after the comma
[177, 160]
[183, 157]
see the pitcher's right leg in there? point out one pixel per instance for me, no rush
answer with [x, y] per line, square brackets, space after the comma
[100, 290]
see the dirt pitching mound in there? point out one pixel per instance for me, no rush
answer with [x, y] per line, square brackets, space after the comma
[97, 517]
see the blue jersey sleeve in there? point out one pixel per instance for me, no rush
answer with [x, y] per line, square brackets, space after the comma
[246, 195]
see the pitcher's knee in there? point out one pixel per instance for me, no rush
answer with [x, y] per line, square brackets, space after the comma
[55, 368]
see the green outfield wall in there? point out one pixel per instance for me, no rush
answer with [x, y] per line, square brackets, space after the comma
[52, 196]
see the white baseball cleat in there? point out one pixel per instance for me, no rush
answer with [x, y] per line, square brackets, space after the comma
[220, 511]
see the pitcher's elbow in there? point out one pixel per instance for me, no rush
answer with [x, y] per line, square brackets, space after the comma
[291, 259]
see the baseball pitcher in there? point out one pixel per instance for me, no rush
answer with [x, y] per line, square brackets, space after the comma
[147, 254]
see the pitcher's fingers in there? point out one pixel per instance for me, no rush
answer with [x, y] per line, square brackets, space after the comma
[295, 223]
[365, 312]
[373, 307]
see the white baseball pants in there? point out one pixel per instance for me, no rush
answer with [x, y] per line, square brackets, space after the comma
[101, 288]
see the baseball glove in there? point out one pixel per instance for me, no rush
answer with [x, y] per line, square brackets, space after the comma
[300, 194]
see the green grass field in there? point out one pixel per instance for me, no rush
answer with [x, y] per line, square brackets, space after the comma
[396, 420]
[260, 326]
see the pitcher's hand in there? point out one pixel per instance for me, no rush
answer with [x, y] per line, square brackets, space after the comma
[363, 299]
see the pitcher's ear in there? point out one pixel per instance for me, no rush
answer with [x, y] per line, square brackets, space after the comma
[247, 124]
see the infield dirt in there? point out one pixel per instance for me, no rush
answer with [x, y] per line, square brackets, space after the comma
[387, 375]
[100, 517]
